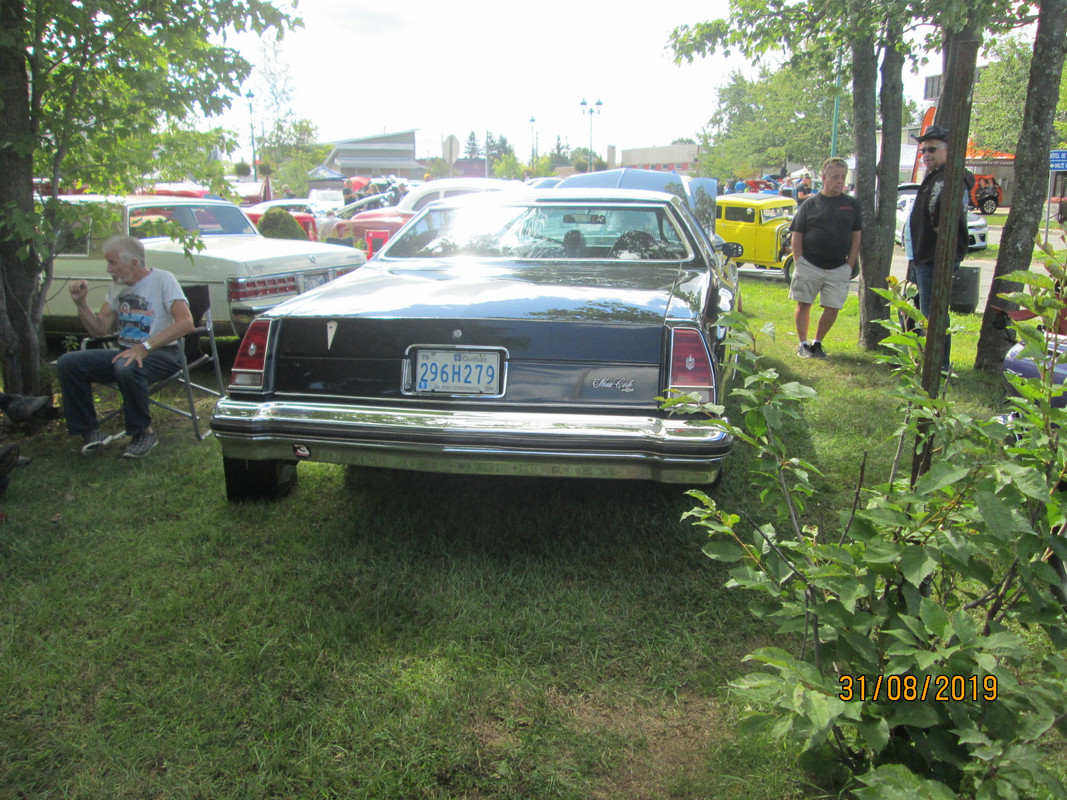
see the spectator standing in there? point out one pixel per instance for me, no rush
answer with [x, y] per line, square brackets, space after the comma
[348, 194]
[926, 216]
[804, 189]
[825, 235]
[327, 225]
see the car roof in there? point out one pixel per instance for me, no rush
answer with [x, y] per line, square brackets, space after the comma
[755, 199]
[145, 200]
[553, 195]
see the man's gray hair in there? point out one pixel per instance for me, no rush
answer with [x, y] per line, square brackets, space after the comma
[127, 247]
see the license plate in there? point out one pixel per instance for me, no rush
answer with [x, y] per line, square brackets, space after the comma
[457, 371]
[315, 280]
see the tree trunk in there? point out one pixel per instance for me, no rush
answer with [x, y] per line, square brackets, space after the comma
[19, 267]
[879, 214]
[1031, 176]
[954, 113]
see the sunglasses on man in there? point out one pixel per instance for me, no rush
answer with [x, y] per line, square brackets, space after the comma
[931, 149]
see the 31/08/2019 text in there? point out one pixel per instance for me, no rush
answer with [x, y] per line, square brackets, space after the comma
[908, 688]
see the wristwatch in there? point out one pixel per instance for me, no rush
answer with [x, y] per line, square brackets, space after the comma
[147, 347]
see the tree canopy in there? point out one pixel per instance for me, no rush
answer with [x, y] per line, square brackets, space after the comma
[90, 93]
[1000, 97]
[779, 117]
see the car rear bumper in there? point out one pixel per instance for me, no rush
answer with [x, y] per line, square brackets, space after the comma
[665, 450]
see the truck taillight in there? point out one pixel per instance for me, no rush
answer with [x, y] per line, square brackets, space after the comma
[251, 288]
[691, 368]
[251, 360]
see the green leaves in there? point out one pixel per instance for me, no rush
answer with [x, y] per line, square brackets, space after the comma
[918, 604]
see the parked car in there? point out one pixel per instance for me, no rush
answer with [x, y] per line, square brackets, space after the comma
[323, 200]
[516, 333]
[301, 210]
[986, 194]
[760, 224]
[247, 273]
[340, 231]
[700, 193]
[392, 218]
[977, 228]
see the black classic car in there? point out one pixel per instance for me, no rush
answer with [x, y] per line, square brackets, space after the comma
[505, 333]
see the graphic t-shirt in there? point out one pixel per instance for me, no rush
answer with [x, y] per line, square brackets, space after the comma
[144, 308]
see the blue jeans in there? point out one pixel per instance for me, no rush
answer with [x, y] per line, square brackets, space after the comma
[79, 370]
[924, 281]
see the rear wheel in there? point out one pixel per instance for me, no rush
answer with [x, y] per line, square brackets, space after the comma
[787, 269]
[258, 480]
[988, 205]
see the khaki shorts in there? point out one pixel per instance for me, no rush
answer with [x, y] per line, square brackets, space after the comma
[829, 285]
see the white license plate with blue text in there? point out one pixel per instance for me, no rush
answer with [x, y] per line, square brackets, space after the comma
[457, 371]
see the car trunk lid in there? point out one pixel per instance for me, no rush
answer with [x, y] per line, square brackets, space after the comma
[584, 337]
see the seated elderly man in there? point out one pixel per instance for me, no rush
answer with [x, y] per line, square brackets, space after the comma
[151, 315]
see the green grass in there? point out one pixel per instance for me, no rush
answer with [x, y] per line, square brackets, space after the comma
[398, 635]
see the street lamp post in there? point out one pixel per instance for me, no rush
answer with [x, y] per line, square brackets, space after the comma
[252, 130]
[591, 109]
[533, 142]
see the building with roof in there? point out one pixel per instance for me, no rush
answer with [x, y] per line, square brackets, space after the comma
[681, 158]
[376, 156]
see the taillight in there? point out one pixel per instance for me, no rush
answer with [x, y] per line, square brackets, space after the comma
[252, 288]
[251, 360]
[691, 368]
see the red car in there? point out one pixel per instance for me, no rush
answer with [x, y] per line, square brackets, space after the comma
[390, 220]
[300, 210]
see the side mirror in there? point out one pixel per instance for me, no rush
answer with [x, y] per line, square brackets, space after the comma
[732, 249]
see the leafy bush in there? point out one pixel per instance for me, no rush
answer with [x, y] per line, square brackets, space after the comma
[921, 637]
[278, 223]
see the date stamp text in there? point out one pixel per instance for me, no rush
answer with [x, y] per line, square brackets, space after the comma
[917, 688]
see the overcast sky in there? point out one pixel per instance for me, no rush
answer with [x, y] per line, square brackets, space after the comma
[361, 68]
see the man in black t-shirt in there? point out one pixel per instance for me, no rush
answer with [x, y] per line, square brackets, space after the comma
[826, 234]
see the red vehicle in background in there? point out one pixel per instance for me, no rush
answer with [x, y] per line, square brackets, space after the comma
[384, 222]
[300, 210]
[175, 190]
[986, 194]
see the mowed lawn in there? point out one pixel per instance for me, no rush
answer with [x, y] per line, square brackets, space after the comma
[387, 635]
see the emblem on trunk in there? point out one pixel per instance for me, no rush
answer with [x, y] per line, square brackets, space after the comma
[331, 329]
[622, 384]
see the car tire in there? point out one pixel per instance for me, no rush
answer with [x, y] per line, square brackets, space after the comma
[988, 205]
[258, 480]
[787, 270]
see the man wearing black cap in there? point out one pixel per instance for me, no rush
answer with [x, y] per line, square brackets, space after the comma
[926, 214]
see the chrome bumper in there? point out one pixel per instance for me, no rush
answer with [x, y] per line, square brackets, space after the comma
[673, 450]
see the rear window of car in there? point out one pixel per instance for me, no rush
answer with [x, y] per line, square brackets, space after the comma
[207, 220]
[540, 232]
